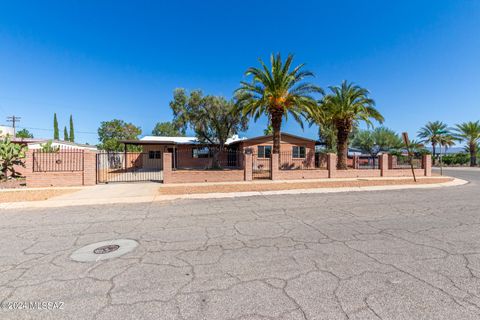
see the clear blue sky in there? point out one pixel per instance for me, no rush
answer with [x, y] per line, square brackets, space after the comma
[100, 60]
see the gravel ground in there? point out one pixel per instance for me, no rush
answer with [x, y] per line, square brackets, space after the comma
[195, 189]
[32, 195]
[12, 184]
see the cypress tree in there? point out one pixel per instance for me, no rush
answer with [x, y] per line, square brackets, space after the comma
[56, 134]
[65, 134]
[72, 133]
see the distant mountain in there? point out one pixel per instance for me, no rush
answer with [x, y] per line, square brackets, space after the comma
[449, 150]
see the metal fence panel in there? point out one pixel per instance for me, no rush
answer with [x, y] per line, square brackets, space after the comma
[58, 161]
[129, 167]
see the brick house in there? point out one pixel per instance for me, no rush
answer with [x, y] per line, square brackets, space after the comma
[189, 153]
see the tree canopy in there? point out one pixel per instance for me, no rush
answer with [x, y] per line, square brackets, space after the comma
[111, 132]
[71, 136]
[167, 129]
[373, 142]
[212, 118]
[24, 134]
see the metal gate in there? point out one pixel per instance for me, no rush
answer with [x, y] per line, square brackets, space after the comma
[129, 166]
[261, 167]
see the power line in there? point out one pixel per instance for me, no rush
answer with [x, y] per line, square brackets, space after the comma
[13, 119]
[43, 129]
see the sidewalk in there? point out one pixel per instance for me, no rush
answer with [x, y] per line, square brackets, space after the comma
[148, 192]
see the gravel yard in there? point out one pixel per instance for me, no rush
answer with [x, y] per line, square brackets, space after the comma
[245, 187]
[32, 195]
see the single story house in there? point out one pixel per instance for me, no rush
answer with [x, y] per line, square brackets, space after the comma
[189, 153]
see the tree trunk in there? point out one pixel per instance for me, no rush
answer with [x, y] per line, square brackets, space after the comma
[216, 156]
[473, 155]
[343, 130]
[276, 117]
[433, 153]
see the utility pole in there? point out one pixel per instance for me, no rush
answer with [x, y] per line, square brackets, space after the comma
[13, 120]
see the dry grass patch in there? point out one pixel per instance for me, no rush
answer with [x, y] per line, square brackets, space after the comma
[246, 187]
[32, 195]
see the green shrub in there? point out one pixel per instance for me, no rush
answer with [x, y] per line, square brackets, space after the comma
[456, 159]
[11, 155]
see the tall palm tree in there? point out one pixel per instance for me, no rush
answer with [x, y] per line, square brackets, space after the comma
[431, 133]
[469, 132]
[347, 105]
[277, 91]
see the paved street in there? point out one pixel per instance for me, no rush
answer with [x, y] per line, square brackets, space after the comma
[406, 254]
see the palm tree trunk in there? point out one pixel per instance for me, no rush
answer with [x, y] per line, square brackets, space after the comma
[276, 125]
[433, 153]
[343, 130]
[473, 155]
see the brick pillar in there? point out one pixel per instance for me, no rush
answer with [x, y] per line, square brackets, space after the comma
[28, 170]
[167, 168]
[274, 166]
[248, 166]
[332, 165]
[89, 168]
[392, 161]
[355, 162]
[383, 164]
[427, 165]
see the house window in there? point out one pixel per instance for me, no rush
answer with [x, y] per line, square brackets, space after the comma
[154, 155]
[264, 151]
[298, 152]
[201, 152]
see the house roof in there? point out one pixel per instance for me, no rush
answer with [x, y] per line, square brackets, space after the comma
[37, 144]
[147, 140]
[174, 140]
[283, 134]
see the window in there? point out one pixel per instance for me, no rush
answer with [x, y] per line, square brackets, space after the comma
[154, 155]
[264, 151]
[298, 152]
[201, 152]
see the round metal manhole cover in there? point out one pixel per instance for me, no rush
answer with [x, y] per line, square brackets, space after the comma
[104, 250]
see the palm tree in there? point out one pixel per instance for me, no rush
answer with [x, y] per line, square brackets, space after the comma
[277, 91]
[431, 133]
[447, 141]
[347, 105]
[469, 132]
[326, 129]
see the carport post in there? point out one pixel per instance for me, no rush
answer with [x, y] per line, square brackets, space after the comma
[125, 155]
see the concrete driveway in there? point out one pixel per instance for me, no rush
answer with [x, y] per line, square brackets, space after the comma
[405, 254]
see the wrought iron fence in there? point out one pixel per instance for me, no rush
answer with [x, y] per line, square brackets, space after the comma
[58, 161]
[368, 162]
[129, 166]
[363, 162]
[261, 166]
[206, 158]
[403, 162]
[302, 161]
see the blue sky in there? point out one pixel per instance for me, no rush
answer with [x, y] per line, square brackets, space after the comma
[100, 60]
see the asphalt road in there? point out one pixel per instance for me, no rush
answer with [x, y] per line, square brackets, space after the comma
[407, 254]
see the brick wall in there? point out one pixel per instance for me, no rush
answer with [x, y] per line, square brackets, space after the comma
[84, 177]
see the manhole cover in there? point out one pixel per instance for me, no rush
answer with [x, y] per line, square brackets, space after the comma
[104, 250]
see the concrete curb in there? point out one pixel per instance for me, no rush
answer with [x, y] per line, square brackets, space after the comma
[53, 203]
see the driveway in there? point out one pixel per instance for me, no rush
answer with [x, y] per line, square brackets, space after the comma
[404, 254]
